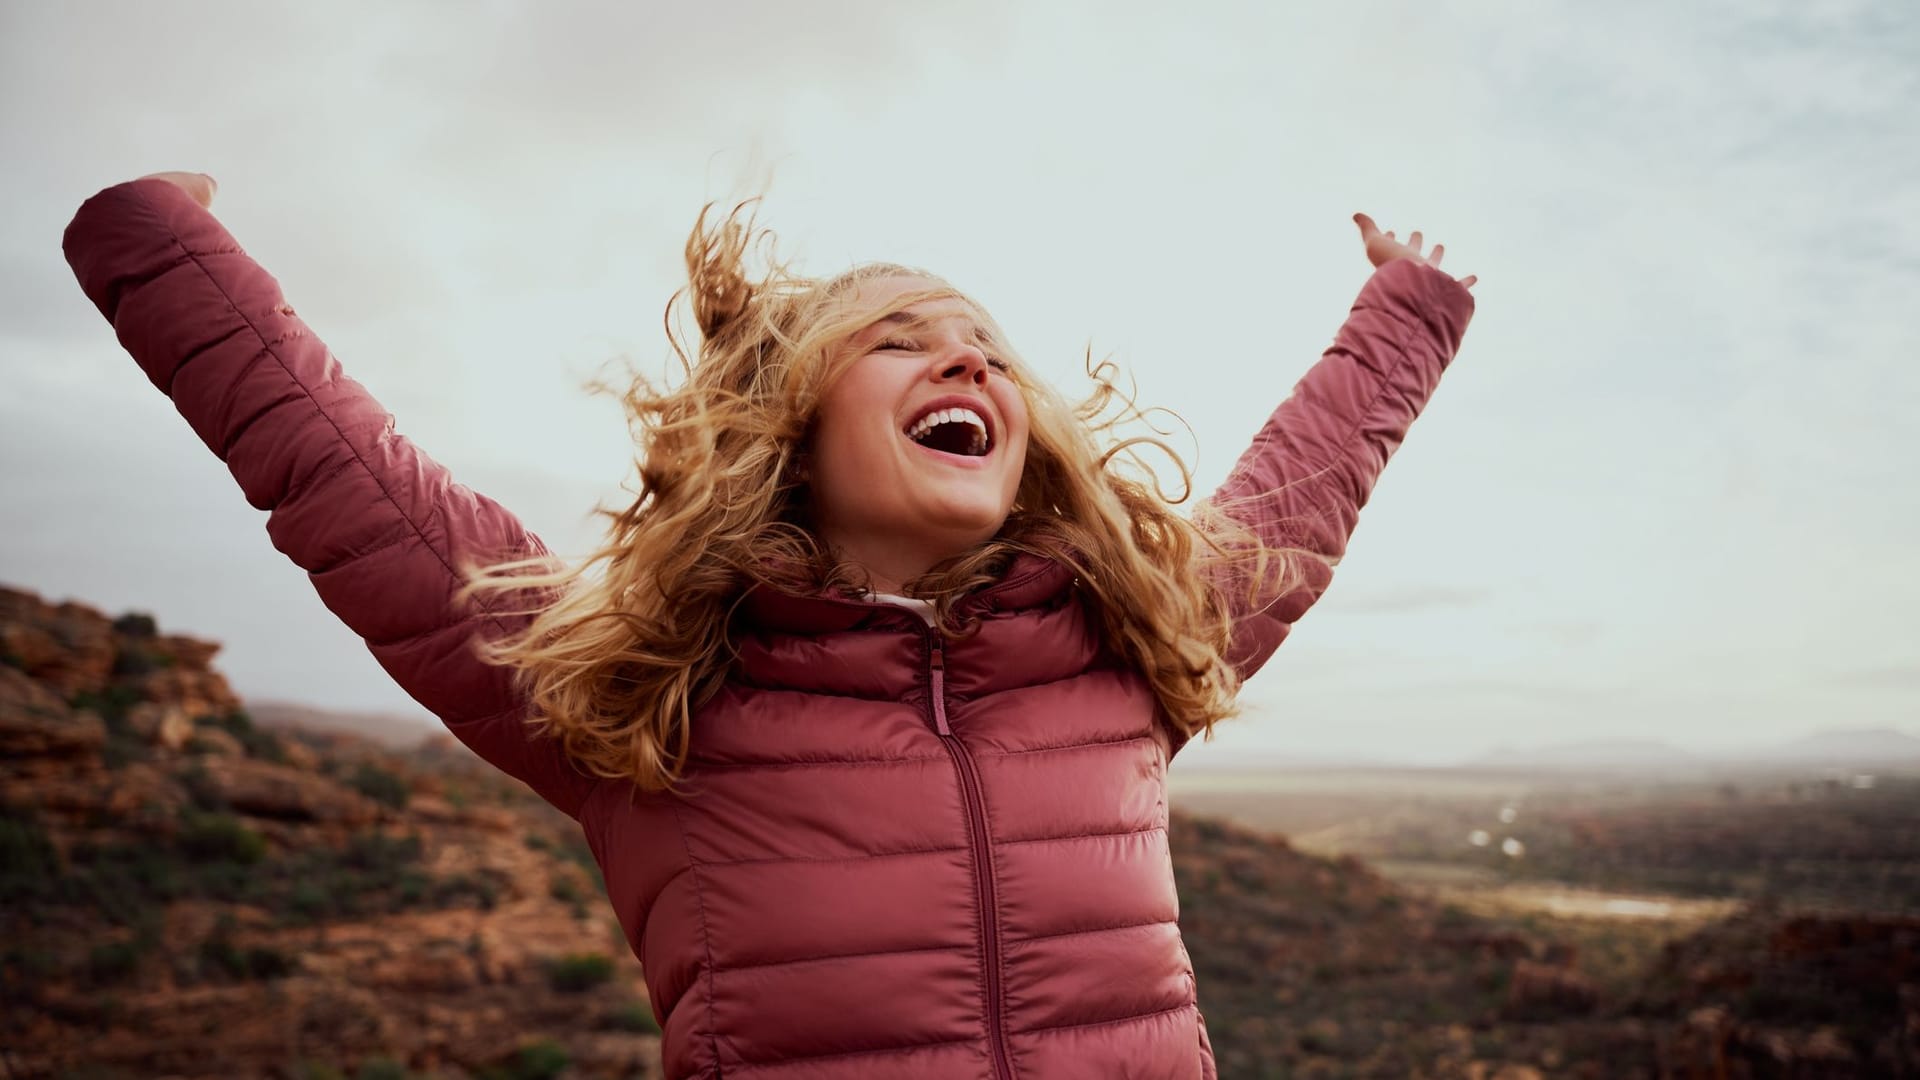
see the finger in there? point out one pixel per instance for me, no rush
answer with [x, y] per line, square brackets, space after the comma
[1367, 227]
[198, 186]
[1413, 241]
[1390, 234]
[1469, 280]
[1439, 251]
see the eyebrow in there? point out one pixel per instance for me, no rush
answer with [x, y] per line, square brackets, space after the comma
[904, 318]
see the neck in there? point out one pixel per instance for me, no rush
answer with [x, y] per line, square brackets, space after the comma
[889, 562]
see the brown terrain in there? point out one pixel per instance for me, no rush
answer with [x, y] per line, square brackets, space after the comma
[190, 893]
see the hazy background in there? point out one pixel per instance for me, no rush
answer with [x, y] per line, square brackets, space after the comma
[1665, 491]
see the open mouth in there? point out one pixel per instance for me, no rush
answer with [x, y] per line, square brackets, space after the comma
[959, 431]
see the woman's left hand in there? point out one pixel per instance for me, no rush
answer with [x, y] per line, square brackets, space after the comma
[198, 185]
[1382, 248]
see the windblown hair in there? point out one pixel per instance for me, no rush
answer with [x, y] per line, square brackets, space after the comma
[617, 654]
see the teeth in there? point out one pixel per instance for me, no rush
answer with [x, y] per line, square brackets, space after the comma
[952, 416]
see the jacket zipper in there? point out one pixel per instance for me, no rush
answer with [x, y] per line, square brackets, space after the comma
[982, 856]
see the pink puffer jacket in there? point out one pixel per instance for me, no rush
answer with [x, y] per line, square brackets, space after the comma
[897, 856]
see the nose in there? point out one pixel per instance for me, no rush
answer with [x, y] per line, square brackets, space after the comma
[961, 360]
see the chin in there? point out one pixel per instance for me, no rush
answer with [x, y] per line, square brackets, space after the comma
[977, 521]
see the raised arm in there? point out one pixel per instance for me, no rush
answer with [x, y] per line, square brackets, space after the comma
[379, 526]
[1312, 466]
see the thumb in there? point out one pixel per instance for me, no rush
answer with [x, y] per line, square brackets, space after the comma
[199, 186]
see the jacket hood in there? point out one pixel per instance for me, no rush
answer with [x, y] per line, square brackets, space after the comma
[1030, 629]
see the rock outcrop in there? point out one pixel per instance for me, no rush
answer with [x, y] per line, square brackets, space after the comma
[187, 894]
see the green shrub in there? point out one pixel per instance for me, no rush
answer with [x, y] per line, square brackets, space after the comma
[543, 1059]
[214, 855]
[482, 890]
[112, 961]
[380, 1069]
[111, 702]
[28, 862]
[134, 661]
[124, 882]
[259, 743]
[308, 903]
[220, 956]
[380, 785]
[95, 1072]
[579, 971]
[634, 1016]
[219, 837]
[414, 887]
[33, 963]
[381, 853]
[136, 624]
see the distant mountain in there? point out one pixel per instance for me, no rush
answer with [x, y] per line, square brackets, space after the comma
[397, 731]
[1199, 757]
[1590, 754]
[1867, 748]
[1861, 748]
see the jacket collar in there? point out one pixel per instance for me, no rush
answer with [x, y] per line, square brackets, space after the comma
[1030, 581]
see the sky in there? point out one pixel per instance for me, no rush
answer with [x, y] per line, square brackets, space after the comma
[1664, 491]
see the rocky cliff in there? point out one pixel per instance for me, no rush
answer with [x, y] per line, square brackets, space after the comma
[189, 894]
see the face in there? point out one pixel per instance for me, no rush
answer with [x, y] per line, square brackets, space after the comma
[887, 486]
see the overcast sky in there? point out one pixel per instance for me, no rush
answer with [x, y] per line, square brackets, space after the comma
[1666, 490]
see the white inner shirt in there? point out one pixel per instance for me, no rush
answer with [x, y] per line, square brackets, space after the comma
[922, 608]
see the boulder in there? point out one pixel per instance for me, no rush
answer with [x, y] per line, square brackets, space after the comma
[69, 647]
[438, 811]
[216, 742]
[35, 722]
[193, 654]
[196, 693]
[279, 791]
[163, 724]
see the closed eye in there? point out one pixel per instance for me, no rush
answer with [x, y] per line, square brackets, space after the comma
[903, 345]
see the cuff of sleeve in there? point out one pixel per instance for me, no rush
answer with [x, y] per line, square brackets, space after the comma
[1418, 292]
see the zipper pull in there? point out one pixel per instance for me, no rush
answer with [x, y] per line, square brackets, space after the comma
[937, 670]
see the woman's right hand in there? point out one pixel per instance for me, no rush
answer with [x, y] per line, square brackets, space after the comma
[197, 184]
[1383, 248]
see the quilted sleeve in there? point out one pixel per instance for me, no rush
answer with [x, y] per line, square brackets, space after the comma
[378, 525]
[1314, 463]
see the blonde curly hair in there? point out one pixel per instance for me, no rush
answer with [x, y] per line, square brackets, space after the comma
[617, 654]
